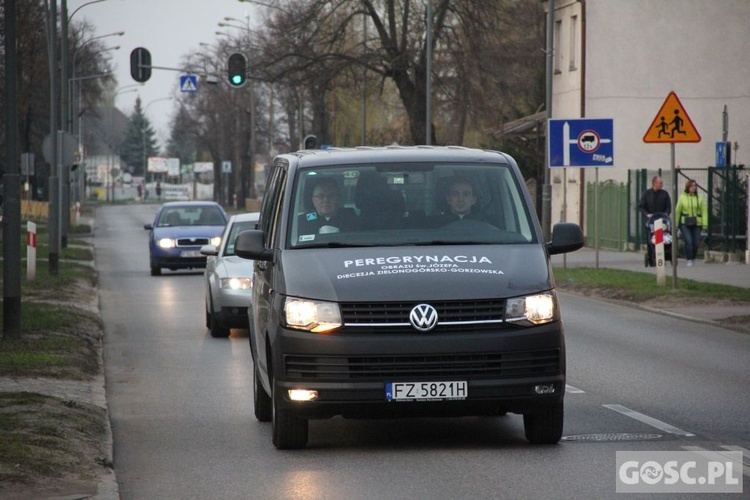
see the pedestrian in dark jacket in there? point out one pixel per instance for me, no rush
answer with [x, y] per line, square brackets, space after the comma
[655, 199]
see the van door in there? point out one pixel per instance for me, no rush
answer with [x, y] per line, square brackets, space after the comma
[260, 301]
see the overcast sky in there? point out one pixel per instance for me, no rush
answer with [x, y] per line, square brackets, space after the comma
[169, 29]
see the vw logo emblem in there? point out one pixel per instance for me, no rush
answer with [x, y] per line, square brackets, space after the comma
[423, 317]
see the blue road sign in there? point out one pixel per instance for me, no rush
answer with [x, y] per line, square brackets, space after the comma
[580, 142]
[722, 148]
[188, 83]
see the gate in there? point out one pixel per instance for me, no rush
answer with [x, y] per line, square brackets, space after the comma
[726, 195]
[613, 215]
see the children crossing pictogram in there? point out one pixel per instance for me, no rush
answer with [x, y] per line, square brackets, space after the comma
[672, 124]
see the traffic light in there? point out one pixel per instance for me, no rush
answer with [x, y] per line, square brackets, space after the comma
[237, 70]
[140, 64]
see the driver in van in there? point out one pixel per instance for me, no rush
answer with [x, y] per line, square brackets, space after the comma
[328, 216]
[461, 199]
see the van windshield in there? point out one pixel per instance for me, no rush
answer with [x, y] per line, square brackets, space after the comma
[409, 204]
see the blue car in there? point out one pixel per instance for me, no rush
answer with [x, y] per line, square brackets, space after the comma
[179, 231]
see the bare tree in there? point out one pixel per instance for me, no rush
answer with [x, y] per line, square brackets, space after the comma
[480, 51]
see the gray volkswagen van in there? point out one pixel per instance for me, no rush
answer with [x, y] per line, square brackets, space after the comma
[403, 282]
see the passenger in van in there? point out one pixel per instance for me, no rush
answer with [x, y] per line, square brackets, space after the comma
[328, 216]
[461, 200]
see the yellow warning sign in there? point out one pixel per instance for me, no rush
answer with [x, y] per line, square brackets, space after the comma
[672, 124]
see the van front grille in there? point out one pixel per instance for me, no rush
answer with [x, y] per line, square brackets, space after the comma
[508, 365]
[454, 311]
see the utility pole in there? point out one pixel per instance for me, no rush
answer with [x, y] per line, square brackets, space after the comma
[547, 187]
[65, 170]
[54, 179]
[11, 185]
[428, 76]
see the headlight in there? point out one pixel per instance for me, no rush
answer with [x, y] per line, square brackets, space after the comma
[312, 315]
[216, 241]
[236, 283]
[167, 243]
[536, 309]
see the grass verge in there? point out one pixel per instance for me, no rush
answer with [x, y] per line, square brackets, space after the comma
[640, 287]
[51, 446]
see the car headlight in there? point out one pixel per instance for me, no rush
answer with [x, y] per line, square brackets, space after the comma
[167, 243]
[312, 315]
[216, 241]
[236, 283]
[537, 309]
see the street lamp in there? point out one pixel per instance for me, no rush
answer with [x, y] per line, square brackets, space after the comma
[82, 6]
[262, 4]
[229, 25]
[67, 92]
[70, 124]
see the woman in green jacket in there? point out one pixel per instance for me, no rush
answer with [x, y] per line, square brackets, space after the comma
[691, 215]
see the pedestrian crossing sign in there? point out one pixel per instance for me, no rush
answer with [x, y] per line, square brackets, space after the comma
[672, 124]
[188, 83]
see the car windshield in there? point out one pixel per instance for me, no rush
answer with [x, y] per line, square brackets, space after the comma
[191, 216]
[234, 231]
[409, 204]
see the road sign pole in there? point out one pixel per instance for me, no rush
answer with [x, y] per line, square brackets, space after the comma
[674, 219]
[672, 124]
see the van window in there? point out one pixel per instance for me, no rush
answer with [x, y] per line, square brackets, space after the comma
[271, 202]
[408, 204]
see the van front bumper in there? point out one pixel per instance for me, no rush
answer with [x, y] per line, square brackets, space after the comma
[511, 370]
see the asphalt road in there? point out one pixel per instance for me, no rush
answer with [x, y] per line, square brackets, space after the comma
[183, 427]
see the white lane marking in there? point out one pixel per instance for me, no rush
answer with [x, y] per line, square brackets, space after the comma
[573, 390]
[745, 455]
[649, 420]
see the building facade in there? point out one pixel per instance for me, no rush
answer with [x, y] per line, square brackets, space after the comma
[620, 59]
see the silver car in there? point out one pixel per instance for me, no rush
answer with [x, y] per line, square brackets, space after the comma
[228, 279]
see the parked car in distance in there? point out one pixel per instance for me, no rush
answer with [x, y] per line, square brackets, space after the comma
[228, 279]
[178, 232]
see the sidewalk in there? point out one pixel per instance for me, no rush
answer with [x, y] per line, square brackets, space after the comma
[734, 274]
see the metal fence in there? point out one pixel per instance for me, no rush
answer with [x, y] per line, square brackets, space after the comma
[621, 225]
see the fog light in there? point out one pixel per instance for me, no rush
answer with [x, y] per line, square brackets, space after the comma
[302, 395]
[545, 389]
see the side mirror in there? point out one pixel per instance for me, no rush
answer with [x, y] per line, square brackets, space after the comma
[249, 245]
[148, 226]
[566, 237]
[209, 250]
